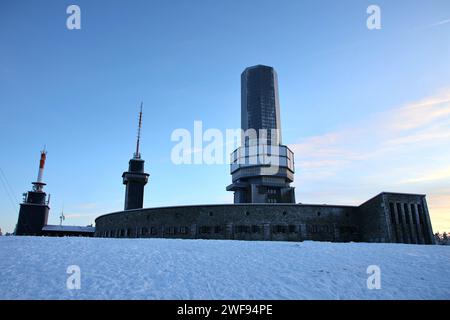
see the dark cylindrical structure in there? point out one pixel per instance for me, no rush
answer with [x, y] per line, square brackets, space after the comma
[135, 180]
[33, 214]
[260, 106]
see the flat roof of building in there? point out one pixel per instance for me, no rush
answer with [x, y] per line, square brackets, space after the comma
[226, 205]
[57, 228]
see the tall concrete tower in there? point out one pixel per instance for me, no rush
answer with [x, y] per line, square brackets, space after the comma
[262, 168]
[33, 214]
[260, 105]
[135, 178]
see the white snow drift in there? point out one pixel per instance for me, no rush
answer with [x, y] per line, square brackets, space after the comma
[37, 268]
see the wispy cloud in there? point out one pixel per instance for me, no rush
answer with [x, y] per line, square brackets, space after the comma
[415, 125]
[439, 23]
[420, 114]
[435, 175]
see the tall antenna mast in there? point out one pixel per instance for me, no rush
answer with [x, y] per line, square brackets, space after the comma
[137, 155]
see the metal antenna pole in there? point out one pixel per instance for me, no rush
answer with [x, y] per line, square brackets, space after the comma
[137, 155]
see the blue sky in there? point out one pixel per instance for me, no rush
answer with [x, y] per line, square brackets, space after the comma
[364, 111]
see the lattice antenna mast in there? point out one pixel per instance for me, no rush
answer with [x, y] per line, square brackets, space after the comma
[137, 154]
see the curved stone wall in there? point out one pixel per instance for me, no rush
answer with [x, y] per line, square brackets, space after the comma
[283, 222]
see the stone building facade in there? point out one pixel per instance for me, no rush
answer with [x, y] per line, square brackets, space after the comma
[396, 218]
[388, 217]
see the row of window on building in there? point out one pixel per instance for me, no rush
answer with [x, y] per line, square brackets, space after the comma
[184, 230]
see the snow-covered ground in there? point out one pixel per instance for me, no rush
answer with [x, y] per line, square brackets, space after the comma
[36, 268]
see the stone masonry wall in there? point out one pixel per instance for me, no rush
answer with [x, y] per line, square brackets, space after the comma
[239, 222]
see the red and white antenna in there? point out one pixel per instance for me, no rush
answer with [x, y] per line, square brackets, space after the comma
[38, 185]
[137, 154]
[42, 165]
